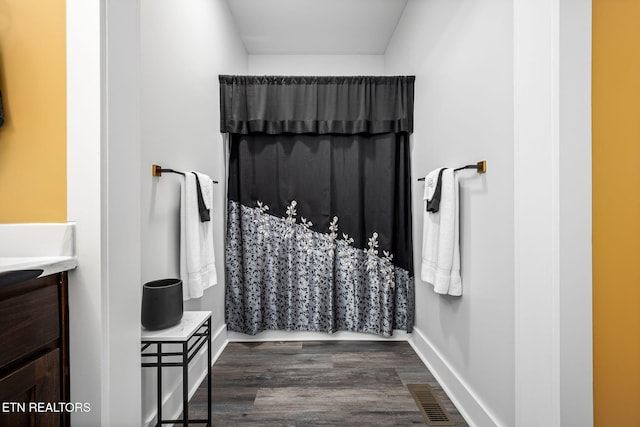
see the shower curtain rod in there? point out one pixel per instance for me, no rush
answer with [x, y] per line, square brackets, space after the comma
[156, 170]
[481, 166]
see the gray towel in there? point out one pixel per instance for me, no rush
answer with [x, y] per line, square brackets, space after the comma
[433, 205]
[202, 208]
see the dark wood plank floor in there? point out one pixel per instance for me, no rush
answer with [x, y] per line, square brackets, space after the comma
[317, 383]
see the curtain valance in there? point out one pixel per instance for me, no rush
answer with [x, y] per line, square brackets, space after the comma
[320, 105]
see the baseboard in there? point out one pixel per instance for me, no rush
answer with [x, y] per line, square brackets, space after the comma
[470, 406]
[314, 336]
[172, 400]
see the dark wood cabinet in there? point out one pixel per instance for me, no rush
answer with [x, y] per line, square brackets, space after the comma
[37, 381]
[34, 352]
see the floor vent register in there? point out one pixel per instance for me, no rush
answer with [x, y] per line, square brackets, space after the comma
[430, 406]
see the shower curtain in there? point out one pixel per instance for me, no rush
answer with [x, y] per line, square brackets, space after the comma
[319, 208]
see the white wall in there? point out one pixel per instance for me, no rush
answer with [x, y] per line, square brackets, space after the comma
[552, 178]
[102, 198]
[184, 47]
[508, 82]
[316, 65]
[575, 294]
[461, 54]
[121, 208]
[84, 73]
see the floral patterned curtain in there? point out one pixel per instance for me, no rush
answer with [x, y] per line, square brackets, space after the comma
[319, 233]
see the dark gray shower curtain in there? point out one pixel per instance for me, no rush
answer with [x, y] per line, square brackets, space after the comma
[319, 209]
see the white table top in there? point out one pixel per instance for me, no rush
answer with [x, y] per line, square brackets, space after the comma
[191, 321]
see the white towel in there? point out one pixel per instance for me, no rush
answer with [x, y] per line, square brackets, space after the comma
[441, 238]
[430, 232]
[197, 259]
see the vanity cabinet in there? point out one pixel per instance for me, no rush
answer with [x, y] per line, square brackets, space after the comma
[34, 352]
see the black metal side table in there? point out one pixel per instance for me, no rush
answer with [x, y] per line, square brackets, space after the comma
[192, 333]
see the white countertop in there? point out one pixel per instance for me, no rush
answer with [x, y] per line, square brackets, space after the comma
[49, 264]
[49, 247]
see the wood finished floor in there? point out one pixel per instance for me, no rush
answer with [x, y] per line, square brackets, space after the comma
[317, 383]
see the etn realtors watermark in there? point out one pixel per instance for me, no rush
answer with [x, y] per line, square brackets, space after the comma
[43, 407]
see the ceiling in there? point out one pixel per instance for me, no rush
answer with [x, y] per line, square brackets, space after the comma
[316, 27]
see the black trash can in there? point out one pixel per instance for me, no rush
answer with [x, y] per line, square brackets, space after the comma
[161, 303]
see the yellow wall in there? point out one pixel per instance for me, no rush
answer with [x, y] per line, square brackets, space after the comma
[33, 85]
[616, 212]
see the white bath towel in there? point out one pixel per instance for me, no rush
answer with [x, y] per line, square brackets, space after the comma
[441, 239]
[197, 259]
[430, 233]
